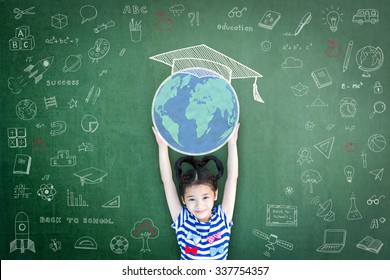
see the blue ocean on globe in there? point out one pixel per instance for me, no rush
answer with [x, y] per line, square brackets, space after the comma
[195, 111]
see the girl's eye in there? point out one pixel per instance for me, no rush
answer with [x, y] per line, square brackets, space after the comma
[206, 197]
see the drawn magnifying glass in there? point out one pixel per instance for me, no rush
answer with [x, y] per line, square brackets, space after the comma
[379, 107]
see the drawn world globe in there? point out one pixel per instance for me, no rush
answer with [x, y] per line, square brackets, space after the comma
[195, 111]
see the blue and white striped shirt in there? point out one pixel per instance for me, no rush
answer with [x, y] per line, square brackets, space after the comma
[203, 240]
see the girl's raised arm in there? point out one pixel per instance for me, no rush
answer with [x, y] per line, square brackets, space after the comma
[166, 176]
[229, 193]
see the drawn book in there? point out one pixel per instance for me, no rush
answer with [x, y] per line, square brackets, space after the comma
[269, 20]
[370, 244]
[321, 78]
[22, 164]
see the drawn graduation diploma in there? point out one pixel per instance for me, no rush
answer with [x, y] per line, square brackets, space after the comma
[22, 240]
[205, 75]
[145, 230]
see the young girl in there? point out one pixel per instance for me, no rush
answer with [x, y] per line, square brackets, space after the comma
[202, 230]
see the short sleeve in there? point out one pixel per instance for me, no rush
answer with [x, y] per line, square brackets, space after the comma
[183, 215]
[223, 216]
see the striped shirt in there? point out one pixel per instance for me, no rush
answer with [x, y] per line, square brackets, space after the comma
[203, 240]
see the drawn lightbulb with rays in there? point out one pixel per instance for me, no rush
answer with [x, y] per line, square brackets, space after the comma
[332, 18]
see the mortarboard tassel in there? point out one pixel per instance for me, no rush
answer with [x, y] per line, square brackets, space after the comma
[256, 95]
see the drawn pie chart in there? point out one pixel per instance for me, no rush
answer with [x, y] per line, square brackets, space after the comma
[89, 123]
[72, 63]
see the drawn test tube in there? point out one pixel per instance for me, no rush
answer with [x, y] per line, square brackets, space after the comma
[135, 30]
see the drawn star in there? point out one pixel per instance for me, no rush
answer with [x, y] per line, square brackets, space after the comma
[82, 147]
[72, 103]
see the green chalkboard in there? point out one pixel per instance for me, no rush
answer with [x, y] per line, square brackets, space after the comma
[79, 161]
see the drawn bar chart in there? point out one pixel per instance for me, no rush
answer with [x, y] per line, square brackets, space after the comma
[75, 200]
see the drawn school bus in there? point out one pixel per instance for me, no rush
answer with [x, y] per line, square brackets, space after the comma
[366, 15]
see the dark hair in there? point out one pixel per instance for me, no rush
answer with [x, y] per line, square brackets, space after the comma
[199, 174]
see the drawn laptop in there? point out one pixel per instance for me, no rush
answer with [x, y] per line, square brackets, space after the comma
[334, 241]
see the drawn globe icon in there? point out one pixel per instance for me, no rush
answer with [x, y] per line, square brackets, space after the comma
[195, 111]
[376, 143]
[119, 244]
[26, 109]
[369, 59]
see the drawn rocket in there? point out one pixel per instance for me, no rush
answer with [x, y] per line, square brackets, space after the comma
[22, 234]
[37, 70]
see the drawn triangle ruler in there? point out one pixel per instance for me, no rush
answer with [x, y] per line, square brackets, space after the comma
[325, 147]
[113, 203]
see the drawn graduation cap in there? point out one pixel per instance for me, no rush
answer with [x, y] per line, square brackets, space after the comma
[91, 175]
[202, 56]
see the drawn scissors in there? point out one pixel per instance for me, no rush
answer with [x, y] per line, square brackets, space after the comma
[19, 13]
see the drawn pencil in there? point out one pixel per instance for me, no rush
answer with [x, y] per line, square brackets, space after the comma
[347, 56]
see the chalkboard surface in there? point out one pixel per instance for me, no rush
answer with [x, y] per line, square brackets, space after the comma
[79, 162]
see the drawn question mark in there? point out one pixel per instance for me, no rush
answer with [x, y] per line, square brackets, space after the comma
[77, 41]
[192, 17]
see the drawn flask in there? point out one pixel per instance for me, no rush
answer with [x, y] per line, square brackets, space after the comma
[353, 213]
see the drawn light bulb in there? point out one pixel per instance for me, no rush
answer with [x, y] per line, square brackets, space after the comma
[348, 172]
[333, 19]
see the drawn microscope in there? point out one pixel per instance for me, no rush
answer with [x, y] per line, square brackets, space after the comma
[272, 239]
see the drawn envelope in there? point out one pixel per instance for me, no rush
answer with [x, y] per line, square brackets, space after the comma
[299, 89]
[91, 175]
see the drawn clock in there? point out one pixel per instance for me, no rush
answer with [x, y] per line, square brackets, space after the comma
[99, 49]
[347, 107]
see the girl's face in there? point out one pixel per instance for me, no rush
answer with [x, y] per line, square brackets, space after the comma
[199, 200]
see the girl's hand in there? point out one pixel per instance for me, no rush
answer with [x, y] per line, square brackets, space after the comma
[159, 140]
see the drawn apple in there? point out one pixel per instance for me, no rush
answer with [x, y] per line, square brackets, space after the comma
[332, 50]
[164, 23]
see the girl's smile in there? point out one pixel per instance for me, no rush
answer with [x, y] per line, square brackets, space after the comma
[199, 200]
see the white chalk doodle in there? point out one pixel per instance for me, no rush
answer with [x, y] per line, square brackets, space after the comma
[86, 243]
[235, 12]
[349, 171]
[325, 147]
[22, 164]
[99, 50]
[177, 10]
[26, 109]
[63, 159]
[374, 199]
[59, 21]
[304, 21]
[58, 128]
[353, 212]
[370, 244]
[304, 155]
[72, 103]
[50, 102]
[145, 230]
[309, 126]
[17, 137]
[348, 107]
[292, 62]
[55, 245]
[89, 123]
[47, 192]
[194, 17]
[321, 77]
[119, 244]
[22, 239]
[91, 175]
[369, 59]
[299, 89]
[20, 13]
[113, 203]
[21, 191]
[104, 26]
[72, 63]
[86, 147]
[88, 13]
[376, 222]
[282, 215]
[95, 92]
[23, 40]
[135, 28]
[266, 45]
[376, 143]
[272, 240]
[269, 20]
[347, 56]
[73, 200]
[378, 173]
[379, 107]
[332, 17]
[333, 242]
[366, 16]
[325, 210]
[364, 159]
[378, 88]
[311, 177]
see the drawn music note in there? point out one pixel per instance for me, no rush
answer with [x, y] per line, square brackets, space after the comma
[45, 177]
